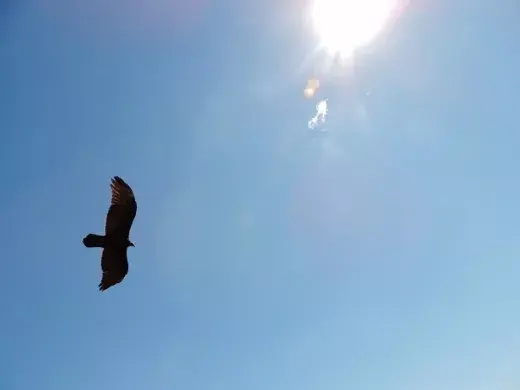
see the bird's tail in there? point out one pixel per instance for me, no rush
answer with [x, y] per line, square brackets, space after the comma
[94, 241]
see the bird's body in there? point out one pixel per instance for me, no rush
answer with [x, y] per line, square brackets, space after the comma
[115, 242]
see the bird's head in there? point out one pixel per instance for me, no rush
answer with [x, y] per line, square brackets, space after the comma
[130, 243]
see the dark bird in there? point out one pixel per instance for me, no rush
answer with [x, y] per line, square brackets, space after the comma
[115, 242]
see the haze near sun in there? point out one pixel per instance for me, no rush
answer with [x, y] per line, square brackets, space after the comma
[344, 25]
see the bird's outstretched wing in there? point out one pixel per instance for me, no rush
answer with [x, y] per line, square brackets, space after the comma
[123, 208]
[114, 264]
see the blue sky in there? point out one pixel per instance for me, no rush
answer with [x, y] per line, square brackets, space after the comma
[380, 254]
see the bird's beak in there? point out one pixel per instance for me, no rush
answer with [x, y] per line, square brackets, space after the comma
[132, 244]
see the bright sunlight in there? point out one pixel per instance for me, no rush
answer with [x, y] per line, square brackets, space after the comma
[344, 25]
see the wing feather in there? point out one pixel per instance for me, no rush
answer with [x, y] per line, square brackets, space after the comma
[114, 264]
[123, 208]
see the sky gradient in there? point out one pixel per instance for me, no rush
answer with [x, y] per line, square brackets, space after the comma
[382, 253]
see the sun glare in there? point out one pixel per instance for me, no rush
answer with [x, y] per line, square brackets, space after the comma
[344, 25]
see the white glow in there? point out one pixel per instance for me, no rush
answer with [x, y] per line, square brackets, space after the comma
[321, 114]
[321, 108]
[344, 25]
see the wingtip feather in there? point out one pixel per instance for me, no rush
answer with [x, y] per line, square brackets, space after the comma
[117, 179]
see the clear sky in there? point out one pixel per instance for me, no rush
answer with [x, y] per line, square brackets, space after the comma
[380, 253]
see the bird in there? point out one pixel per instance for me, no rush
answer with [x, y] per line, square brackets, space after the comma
[115, 242]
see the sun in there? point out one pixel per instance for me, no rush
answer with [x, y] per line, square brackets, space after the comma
[344, 25]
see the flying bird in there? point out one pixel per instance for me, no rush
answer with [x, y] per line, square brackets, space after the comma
[115, 242]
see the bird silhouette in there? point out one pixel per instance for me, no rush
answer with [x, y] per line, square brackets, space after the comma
[115, 242]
